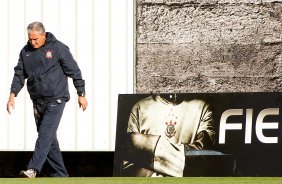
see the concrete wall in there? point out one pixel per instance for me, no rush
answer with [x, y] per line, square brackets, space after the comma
[208, 46]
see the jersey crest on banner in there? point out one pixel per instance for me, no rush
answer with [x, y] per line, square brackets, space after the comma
[170, 129]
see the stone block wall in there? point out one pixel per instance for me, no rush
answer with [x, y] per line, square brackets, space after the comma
[208, 46]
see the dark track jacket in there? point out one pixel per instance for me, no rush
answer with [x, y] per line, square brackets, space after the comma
[47, 70]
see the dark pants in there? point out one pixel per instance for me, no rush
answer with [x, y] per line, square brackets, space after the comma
[47, 117]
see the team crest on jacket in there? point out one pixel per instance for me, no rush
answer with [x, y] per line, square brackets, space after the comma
[170, 129]
[49, 54]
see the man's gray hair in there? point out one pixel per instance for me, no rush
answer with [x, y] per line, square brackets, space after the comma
[36, 26]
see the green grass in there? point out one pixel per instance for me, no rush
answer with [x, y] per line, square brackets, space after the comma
[117, 180]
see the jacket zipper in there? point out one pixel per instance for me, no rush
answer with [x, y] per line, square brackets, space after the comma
[40, 80]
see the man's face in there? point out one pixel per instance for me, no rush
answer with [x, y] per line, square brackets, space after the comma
[36, 39]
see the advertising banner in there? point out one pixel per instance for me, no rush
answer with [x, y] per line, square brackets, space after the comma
[199, 134]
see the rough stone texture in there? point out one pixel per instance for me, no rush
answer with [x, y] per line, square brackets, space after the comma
[209, 46]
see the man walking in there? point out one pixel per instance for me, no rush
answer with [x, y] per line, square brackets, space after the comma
[46, 63]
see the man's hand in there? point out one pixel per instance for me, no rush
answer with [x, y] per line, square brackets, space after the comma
[82, 102]
[11, 103]
[169, 158]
